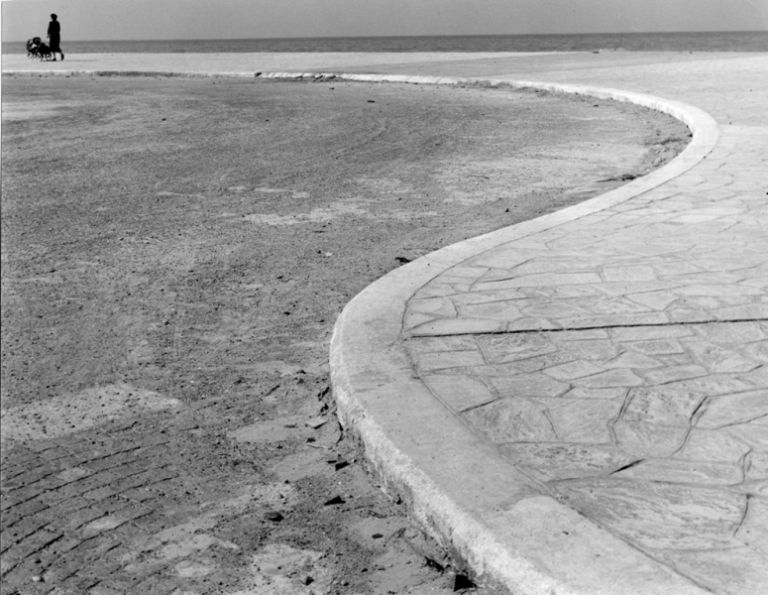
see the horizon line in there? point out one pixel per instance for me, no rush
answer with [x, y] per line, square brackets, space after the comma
[281, 38]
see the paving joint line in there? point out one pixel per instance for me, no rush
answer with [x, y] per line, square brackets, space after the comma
[409, 336]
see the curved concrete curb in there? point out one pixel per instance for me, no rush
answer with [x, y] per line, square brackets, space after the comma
[503, 524]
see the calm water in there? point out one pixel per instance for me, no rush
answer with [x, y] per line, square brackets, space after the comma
[749, 41]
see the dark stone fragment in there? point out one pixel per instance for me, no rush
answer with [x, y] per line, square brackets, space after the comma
[462, 582]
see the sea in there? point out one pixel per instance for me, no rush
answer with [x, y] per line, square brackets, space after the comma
[728, 41]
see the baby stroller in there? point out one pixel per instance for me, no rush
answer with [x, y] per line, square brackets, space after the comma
[37, 49]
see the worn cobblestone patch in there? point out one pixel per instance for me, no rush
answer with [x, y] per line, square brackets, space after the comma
[67, 414]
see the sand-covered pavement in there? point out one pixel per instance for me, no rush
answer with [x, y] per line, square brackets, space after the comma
[175, 253]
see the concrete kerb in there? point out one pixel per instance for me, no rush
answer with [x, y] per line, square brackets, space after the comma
[504, 525]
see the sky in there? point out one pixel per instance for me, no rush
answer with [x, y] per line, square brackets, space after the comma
[222, 19]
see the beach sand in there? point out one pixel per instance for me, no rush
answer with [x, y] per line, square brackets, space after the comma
[175, 253]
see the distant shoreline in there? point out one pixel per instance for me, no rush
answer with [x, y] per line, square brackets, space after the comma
[742, 41]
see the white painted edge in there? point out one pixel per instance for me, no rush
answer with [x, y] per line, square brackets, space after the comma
[489, 514]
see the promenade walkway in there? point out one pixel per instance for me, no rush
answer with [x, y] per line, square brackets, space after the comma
[579, 404]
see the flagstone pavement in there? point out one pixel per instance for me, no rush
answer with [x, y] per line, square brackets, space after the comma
[603, 374]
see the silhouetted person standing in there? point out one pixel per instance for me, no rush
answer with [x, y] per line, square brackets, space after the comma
[54, 36]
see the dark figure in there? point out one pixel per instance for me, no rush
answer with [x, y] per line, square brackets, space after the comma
[54, 37]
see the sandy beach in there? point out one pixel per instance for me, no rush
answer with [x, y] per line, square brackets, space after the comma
[175, 252]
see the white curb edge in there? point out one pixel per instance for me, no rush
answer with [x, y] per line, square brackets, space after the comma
[507, 529]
